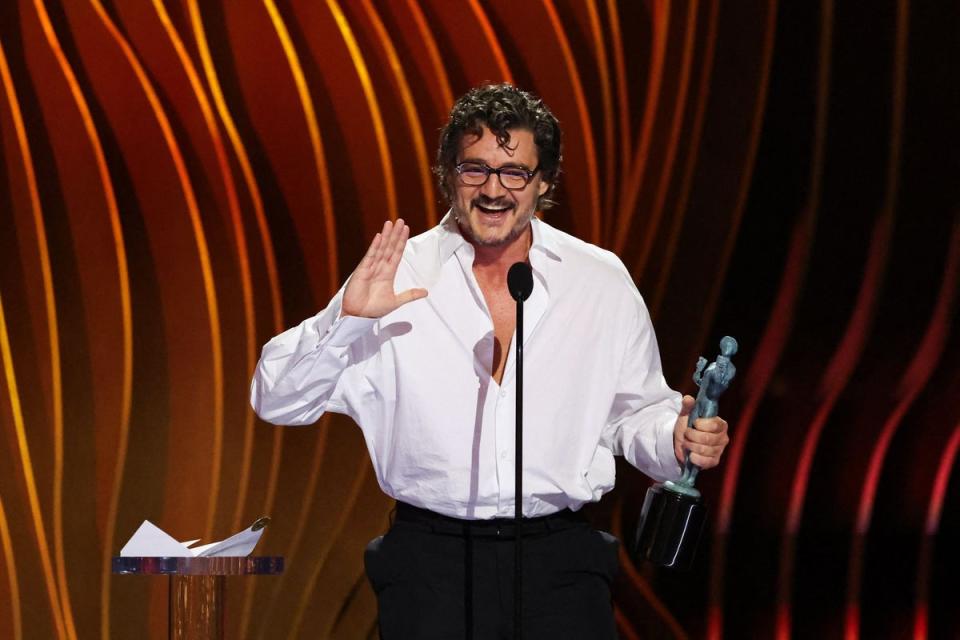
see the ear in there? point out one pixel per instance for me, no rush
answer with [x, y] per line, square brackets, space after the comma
[543, 187]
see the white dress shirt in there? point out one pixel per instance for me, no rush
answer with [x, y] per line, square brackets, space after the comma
[439, 428]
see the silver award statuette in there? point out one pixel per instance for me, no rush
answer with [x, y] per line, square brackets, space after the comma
[673, 513]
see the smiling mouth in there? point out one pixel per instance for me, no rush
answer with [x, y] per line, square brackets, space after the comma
[493, 210]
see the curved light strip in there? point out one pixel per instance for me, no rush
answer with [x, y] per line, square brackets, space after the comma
[127, 319]
[927, 356]
[939, 492]
[310, 117]
[897, 109]
[271, 493]
[306, 593]
[293, 547]
[387, 166]
[833, 384]
[202, 251]
[638, 581]
[61, 604]
[719, 268]
[10, 560]
[357, 600]
[623, 104]
[841, 368]
[243, 159]
[24, 449]
[56, 371]
[934, 510]
[630, 187]
[606, 96]
[268, 503]
[624, 628]
[266, 244]
[771, 344]
[373, 104]
[779, 324]
[436, 60]
[240, 241]
[666, 172]
[770, 348]
[680, 210]
[914, 380]
[580, 99]
[326, 197]
[410, 110]
[491, 38]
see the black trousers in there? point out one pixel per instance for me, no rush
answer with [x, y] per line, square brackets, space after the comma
[439, 577]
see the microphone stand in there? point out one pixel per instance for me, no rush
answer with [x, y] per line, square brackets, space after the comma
[520, 284]
[518, 482]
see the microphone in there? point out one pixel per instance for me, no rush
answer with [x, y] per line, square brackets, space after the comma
[520, 281]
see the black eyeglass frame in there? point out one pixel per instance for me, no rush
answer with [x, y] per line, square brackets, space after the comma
[490, 171]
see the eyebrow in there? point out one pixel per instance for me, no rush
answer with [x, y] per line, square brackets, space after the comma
[505, 165]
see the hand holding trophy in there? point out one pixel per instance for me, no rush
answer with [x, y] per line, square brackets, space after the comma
[673, 513]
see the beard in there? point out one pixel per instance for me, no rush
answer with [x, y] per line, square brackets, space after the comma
[475, 236]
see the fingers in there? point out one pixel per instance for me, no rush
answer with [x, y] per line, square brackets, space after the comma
[686, 405]
[712, 448]
[410, 295]
[707, 442]
[395, 236]
[402, 233]
[708, 431]
[369, 291]
[704, 456]
[386, 249]
[711, 425]
[704, 462]
[369, 257]
[374, 257]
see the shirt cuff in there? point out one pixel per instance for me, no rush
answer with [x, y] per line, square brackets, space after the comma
[346, 329]
[669, 465]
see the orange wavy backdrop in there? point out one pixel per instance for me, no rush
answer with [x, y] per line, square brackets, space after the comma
[181, 180]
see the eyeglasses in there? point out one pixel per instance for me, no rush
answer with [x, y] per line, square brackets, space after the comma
[475, 174]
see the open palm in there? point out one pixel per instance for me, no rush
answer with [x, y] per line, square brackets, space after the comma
[369, 293]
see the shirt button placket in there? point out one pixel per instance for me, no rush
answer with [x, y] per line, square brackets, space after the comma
[505, 438]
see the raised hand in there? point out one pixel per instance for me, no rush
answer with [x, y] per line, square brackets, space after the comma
[369, 292]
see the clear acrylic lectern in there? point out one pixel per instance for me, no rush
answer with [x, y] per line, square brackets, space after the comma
[195, 608]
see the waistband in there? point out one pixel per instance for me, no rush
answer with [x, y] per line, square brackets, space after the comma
[495, 527]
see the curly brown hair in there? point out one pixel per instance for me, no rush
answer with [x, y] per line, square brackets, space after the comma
[501, 107]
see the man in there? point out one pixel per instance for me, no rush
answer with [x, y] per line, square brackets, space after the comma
[430, 381]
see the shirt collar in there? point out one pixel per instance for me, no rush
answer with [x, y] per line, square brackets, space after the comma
[545, 239]
[451, 239]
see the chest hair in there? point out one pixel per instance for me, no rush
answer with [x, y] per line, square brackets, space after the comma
[503, 312]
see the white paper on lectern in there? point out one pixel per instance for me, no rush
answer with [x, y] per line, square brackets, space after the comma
[150, 541]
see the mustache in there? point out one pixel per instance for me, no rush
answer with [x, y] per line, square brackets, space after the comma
[486, 201]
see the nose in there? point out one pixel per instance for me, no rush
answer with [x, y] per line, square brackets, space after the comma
[492, 187]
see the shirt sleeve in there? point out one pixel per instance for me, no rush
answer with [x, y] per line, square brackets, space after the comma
[645, 409]
[298, 376]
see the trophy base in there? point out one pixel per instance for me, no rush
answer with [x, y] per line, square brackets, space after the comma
[669, 528]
